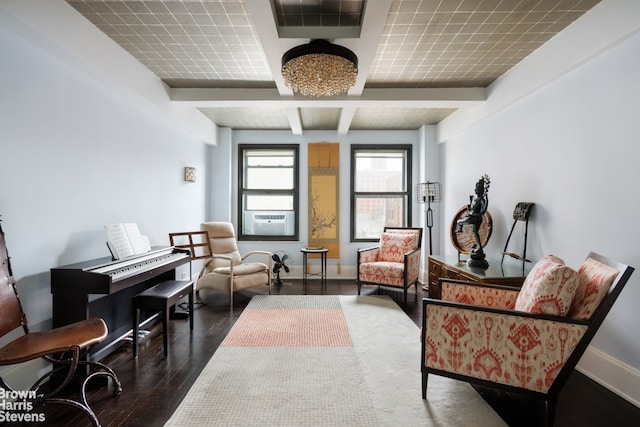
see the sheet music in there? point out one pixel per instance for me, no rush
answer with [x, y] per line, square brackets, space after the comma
[125, 239]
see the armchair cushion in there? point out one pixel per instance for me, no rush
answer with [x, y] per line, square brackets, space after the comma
[549, 288]
[393, 246]
[382, 272]
[478, 294]
[595, 279]
[242, 269]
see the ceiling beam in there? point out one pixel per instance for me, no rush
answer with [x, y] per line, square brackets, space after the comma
[275, 41]
[344, 122]
[295, 122]
[370, 98]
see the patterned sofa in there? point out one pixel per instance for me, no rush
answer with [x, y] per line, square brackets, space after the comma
[526, 341]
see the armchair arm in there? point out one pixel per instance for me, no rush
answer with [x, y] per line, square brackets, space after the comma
[412, 265]
[509, 347]
[368, 254]
[483, 294]
[207, 267]
[267, 254]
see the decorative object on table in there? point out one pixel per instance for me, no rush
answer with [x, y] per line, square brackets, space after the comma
[323, 200]
[464, 241]
[477, 207]
[429, 192]
[319, 68]
[520, 213]
[281, 262]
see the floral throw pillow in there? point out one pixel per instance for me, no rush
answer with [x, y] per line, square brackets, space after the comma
[393, 246]
[595, 280]
[549, 288]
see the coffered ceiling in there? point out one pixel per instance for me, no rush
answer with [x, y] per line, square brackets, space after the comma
[418, 61]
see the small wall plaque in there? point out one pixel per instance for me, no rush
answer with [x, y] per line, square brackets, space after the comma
[190, 174]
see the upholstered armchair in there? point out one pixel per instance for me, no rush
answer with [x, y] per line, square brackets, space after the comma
[227, 271]
[526, 341]
[395, 262]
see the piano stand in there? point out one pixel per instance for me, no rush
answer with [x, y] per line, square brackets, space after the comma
[105, 288]
[163, 297]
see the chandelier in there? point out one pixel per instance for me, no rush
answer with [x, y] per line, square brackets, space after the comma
[319, 68]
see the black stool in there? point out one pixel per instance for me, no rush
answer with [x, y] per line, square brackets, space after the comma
[163, 297]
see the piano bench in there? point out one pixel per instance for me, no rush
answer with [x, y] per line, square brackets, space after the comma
[162, 297]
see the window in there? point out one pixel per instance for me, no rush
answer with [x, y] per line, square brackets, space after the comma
[380, 185]
[268, 192]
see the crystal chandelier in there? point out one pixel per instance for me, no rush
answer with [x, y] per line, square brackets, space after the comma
[320, 68]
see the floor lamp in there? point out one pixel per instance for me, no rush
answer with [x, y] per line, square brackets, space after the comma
[429, 192]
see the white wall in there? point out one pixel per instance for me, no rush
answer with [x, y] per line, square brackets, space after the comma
[77, 154]
[345, 267]
[571, 147]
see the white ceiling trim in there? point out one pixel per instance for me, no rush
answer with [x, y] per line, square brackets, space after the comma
[370, 98]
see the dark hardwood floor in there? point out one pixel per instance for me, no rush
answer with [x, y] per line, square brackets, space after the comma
[155, 385]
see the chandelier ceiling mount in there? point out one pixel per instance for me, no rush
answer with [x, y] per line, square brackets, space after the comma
[320, 68]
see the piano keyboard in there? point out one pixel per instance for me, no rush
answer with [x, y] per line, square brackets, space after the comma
[119, 270]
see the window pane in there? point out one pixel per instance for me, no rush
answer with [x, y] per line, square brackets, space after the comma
[372, 214]
[268, 191]
[269, 202]
[269, 178]
[379, 172]
[269, 158]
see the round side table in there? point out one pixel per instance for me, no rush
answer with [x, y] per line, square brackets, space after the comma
[323, 267]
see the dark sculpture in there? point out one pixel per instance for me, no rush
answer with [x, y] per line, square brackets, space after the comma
[477, 207]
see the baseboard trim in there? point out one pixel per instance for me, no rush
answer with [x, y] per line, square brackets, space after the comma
[612, 374]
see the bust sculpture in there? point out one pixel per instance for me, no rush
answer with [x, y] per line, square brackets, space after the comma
[477, 207]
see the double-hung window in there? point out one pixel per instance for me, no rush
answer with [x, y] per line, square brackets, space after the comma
[380, 187]
[268, 192]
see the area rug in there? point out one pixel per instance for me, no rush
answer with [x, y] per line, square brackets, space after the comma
[325, 361]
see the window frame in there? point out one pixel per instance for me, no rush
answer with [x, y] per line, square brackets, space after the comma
[406, 194]
[295, 192]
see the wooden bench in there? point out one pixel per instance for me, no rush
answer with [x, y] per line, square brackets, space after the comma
[163, 297]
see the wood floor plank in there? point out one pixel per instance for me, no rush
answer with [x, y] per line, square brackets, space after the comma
[153, 386]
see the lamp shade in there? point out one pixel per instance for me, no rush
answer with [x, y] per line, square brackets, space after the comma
[428, 192]
[320, 68]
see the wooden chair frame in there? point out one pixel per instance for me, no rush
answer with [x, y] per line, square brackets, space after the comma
[66, 347]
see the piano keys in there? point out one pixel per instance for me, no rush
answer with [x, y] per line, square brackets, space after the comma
[104, 288]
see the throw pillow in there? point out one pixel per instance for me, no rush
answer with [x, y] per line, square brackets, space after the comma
[549, 288]
[595, 280]
[393, 246]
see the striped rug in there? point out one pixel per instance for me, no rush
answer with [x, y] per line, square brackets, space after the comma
[325, 361]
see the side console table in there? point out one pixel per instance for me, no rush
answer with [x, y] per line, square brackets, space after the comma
[323, 267]
[449, 267]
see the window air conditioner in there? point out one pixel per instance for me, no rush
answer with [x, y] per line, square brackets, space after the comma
[265, 223]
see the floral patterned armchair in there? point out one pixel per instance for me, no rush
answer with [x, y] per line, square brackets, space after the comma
[395, 262]
[526, 341]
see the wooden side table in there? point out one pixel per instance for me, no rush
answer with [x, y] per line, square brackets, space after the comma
[449, 267]
[323, 267]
